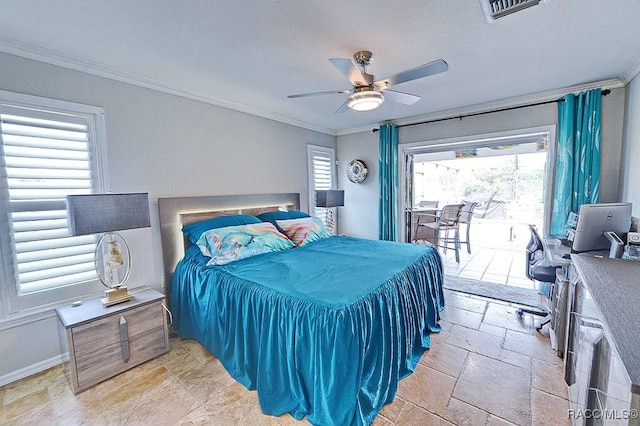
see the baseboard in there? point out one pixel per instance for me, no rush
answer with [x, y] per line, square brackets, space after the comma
[33, 369]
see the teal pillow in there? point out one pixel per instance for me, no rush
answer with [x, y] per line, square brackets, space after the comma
[224, 245]
[278, 215]
[193, 231]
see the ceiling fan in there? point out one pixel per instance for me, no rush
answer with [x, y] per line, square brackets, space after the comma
[368, 94]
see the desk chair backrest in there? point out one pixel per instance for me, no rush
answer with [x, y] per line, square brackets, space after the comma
[536, 270]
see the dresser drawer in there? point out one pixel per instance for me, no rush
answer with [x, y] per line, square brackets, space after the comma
[105, 332]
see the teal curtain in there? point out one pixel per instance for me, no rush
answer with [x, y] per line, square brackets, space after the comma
[388, 178]
[578, 156]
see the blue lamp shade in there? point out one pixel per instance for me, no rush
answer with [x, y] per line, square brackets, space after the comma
[329, 198]
[99, 213]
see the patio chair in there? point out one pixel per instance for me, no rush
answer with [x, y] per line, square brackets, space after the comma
[423, 213]
[446, 221]
[537, 271]
[466, 214]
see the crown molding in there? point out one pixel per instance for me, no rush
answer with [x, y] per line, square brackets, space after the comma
[37, 53]
[499, 104]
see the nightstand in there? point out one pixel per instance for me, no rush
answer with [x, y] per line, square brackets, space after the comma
[103, 342]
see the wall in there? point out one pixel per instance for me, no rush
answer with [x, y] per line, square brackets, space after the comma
[359, 217]
[630, 170]
[164, 145]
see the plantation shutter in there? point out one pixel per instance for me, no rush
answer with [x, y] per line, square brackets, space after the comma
[46, 156]
[321, 176]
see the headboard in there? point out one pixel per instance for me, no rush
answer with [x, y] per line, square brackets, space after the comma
[178, 211]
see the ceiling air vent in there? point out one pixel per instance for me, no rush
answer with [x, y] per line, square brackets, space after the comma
[494, 9]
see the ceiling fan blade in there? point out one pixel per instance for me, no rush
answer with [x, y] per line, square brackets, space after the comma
[348, 68]
[328, 92]
[343, 108]
[400, 98]
[425, 70]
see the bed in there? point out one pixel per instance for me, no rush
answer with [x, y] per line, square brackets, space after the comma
[323, 331]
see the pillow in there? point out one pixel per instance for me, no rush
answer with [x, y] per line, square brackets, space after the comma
[224, 245]
[193, 231]
[304, 230]
[278, 215]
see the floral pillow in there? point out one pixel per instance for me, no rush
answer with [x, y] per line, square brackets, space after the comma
[231, 243]
[304, 230]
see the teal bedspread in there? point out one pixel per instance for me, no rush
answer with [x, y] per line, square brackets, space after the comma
[324, 331]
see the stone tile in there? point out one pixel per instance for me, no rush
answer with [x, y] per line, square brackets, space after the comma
[461, 413]
[161, 405]
[505, 316]
[393, 410]
[42, 415]
[35, 401]
[497, 421]
[462, 317]
[417, 416]
[466, 302]
[515, 358]
[232, 406]
[445, 358]
[548, 409]
[535, 345]
[492, 329]
[208, 380]
[89, 415]
[496, 387]
[197, 350]
[427, 388]
[382, 421]
[32, 384]
[475, 341]
[549, 377]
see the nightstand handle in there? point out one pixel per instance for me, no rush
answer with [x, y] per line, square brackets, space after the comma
[124, 339]
[170, 314]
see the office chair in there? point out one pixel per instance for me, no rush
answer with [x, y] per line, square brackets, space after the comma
[535, 271]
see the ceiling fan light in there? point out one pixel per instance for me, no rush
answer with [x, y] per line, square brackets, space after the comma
[366, 100]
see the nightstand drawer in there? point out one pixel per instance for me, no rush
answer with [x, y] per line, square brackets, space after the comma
[107, 361]
[105, 332]
[105, 341]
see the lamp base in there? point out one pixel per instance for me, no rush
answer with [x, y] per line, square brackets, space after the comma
[116, 295]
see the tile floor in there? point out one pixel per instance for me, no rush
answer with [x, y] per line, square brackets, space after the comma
[486, 367]
[497, 254]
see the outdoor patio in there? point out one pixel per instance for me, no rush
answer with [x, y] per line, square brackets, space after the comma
[497, 254]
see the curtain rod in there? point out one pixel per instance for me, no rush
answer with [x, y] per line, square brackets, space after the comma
[605, 92]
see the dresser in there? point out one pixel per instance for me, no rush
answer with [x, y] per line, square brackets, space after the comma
[602, 359]
[105, 341]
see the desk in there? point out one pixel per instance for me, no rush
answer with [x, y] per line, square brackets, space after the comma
[602, 367]
[557, 254]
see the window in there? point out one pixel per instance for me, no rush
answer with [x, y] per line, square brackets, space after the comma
[322, 175]
[49, 149]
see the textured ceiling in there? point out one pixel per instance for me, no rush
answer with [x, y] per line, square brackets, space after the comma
[250, 55]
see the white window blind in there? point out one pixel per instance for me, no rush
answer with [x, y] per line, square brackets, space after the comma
[322, 176]
[46, 155]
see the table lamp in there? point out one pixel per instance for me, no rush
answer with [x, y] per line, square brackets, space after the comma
[104, 214]
[329, 199]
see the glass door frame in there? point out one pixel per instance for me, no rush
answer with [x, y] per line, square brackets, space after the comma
[511, 137]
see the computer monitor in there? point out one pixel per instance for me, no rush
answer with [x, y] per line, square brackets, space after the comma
[596, 219]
